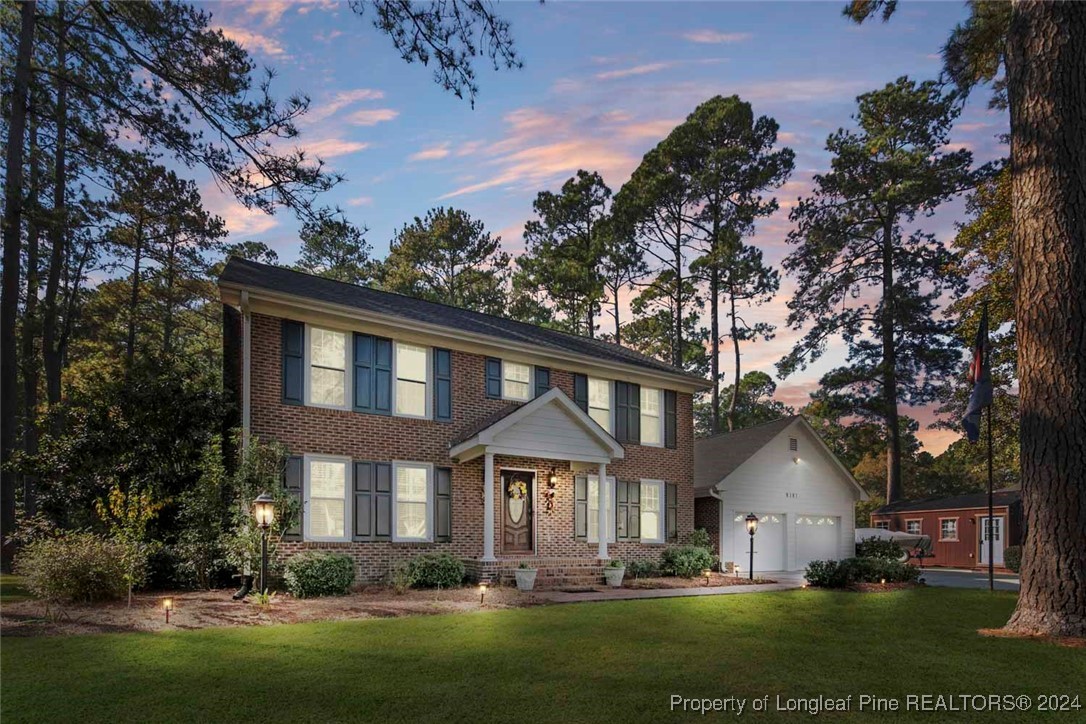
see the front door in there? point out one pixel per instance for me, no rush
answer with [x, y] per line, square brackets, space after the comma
[996, 531]
[518, 492]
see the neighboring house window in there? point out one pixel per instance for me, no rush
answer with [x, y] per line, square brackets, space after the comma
[411, 367]
[326, 497]
[882, 525]
[412, 498]
[516, 380]
[652, 429]
[327, 367]
[594, 509]
[599, 402]
[652, 511]
[912, 527]
[948, 529]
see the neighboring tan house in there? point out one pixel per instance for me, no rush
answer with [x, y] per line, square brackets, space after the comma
[781, 471]
[414, 427]
[955, 526]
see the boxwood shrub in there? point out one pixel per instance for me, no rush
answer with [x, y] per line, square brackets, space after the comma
[319, 574]
[842, 574]
[436, 570]
[686, 561]
[881, 548]
[73, 568]
[1012, 557]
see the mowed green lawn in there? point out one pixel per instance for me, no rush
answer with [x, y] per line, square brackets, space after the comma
[618, 661]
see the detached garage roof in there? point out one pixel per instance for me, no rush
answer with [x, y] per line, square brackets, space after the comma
[717, 457]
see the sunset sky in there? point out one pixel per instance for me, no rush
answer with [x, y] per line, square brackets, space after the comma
[602, 84]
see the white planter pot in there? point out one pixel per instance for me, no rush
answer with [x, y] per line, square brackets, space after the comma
[525, 578]
[614, 576]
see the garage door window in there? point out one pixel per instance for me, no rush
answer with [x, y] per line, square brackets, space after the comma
[813, 520]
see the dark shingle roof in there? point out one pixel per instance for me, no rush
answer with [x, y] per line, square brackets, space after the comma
[718, 456]
[247, 273]
[475, 428]
[1006, 496]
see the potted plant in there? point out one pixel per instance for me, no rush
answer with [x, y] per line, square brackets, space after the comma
[614, 573]
[525, 577]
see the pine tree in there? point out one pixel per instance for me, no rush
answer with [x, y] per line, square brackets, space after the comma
[335, 248]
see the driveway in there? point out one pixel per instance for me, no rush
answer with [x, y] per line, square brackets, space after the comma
[953, 578]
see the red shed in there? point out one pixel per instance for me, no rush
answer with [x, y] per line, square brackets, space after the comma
[955, 525]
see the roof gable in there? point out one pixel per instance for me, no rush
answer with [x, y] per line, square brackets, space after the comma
[275, 280]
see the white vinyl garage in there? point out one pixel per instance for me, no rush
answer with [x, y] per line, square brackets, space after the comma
[783, 473]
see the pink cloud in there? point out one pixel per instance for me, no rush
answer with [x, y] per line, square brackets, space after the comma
[431, 153]
[707, 35]
[371, 117]
[333, 147]
[336, 103]
[254, 42]
[643, 69]
[360, 201]
[239, 220]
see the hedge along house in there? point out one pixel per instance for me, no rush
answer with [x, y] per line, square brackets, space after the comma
[781, 471]
[418, 427]
[958, 526]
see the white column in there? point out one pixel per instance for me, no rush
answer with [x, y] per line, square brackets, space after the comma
[488, 508]
[602, 489]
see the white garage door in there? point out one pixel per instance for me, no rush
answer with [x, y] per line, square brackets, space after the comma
[817, 538]
[768, 542]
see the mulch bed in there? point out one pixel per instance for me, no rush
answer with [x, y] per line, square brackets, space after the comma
[716, 580]
[881, 587]
[203, 609]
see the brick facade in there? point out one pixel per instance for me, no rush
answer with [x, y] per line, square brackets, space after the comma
[707, 516]
[304, 429]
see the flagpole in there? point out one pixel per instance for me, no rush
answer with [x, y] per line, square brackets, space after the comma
[991, 523]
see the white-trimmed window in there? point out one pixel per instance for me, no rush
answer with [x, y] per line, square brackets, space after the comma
[326, 497]
[599, 402]
[516, 380]
[912, 527]
[652, 425]
[652, 511]
[882, 525]
[411, 365]
[594, 509]
[327, 359]
[412, 501]
[948, 529]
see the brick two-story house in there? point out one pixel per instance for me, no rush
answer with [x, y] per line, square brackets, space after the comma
[415, 426]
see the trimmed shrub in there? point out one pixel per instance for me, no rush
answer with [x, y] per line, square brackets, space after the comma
[1012, 557]
[642, 569]
[700, 538]
[842, 574]
[881, 548]
[74, 568]
[436, 570]
[319, 574]
[686, 561]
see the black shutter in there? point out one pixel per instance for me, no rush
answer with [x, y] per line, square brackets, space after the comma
[443, 505]
[542, 380]
[364, 350]
[670, 420]
[382, 519]
[633, 414]
[633, 502]
[622, 407]
[493, 377]
[442, 384]
[621, 510]
[382, 376]
[292, 483]
[580, 391]
[580, 507]
[365, 480]
[293, 363]
[672, 511]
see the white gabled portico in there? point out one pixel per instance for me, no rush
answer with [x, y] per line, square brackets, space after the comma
[552, 427]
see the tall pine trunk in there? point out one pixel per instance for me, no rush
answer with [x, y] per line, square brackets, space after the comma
[9, 290]
[1046, 73]
[58, 230]
[29, 354]
[738, 372]
[134, 299]
[889, 366]
[714, 345]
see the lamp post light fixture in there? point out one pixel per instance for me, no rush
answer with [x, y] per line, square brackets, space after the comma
[264, 512]
[167, 605]
[752, 528]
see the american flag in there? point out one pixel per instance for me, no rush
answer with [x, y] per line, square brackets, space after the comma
[980, 376]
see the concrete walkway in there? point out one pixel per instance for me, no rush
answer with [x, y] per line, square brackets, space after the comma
[627, 594]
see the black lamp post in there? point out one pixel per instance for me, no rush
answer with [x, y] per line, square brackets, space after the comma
[752, 528]
[264, 512]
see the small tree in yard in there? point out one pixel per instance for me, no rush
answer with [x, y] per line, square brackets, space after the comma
[127, 512]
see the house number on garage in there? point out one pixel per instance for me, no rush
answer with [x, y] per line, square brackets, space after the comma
[791, 495]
